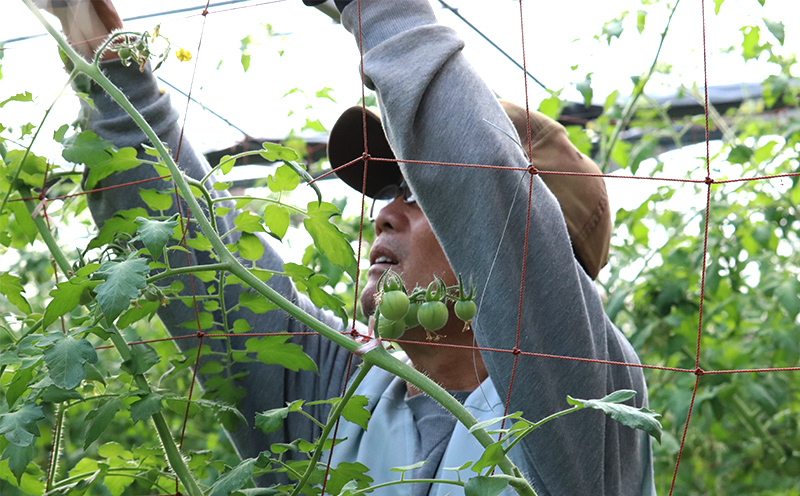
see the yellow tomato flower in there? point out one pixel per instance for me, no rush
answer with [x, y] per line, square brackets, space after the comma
[183, 55]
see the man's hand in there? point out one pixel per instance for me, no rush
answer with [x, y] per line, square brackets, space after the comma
[86, 23]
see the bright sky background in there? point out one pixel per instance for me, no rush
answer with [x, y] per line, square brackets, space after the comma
[317, 53]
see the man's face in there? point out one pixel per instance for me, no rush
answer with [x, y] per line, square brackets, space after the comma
[404, 243]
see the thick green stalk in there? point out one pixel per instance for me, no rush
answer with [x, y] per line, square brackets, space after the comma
[376, 356]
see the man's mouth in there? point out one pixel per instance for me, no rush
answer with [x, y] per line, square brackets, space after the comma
[384, 260]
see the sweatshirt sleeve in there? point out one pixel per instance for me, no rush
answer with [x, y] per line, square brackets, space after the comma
[436, 108]
[260, 387]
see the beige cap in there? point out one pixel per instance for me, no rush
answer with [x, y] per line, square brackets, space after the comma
[583, 199]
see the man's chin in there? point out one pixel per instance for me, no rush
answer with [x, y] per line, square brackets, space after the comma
[368, 305]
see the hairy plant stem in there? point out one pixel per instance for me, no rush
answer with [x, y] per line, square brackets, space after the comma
[375, 356]
[332, 419]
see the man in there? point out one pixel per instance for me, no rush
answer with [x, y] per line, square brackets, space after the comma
[447, 220]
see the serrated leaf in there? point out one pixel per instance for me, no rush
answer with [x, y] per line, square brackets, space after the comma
[12, 289]
[271, 420]
[250, 246]
[65, 359]
[485, 486]
[18, 385]
[275, 350]
[328, 238]
[19, 457]
[66, 297]
[636, 418]
[87, 148]
[143, 357]
[19, 427]
[233, 480]
[31, 171]
[156, 200]
[155, 234]
[99, 418]
[145, 407]
[118, 161]
[354, 411]
[123, 281]
[27, 96]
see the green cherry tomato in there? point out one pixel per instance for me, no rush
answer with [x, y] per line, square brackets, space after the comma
[394, 305]
[466, 310]
[391, 329]
[433, 315]
[411, 319]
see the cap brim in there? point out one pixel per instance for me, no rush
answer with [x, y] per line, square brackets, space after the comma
[346, 145]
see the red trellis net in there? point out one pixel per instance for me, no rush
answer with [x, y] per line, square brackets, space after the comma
[709, 181]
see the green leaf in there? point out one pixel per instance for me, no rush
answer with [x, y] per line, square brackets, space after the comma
[156, 200]
[20, 427]
[145, 407]
[637, 418]
[19, 457]
[226, 164]
[492, 456]
[233, 480]
[271, 420]
[250, 246]
[482, 485]
[325, 93]
[19, 97]
[740, 154]
[87, 148]
[143, 358]
[155, 234]
[99, 418]
[717, 5]
[284, 179]
[247, 222]
[777, 30]
[274, 152]
[55, 394]
[255, 302]
[328, 238]
[585, 88]
[750, 47]
[277, 220]
[355, 410]
[31, 171]
[275, 350]
[12, 289]
[65, 359]
[240, 326]
[488, 423]
[66, 297]
[408, 468]
[19, 384]
[640, 19]
[613, 28]
[123, 281]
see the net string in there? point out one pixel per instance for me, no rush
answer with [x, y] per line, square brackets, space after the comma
[708, 181]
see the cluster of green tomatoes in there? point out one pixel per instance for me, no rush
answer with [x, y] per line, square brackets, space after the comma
[398, 310]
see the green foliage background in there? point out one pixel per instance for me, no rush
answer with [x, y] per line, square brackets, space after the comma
[743, 437]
